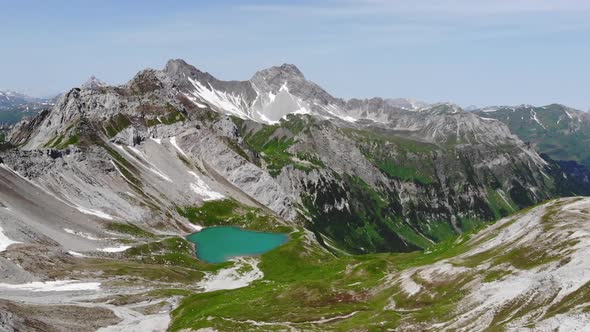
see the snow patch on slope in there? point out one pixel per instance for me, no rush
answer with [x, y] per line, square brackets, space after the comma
[114, 249]
[76, 254]
[81, 234]
[175, 145]
[202, 189]
[334, 111]
[5, 241]
[534, 117]
[97, 213]
[217, 99]
[244, 271]
[53, 286]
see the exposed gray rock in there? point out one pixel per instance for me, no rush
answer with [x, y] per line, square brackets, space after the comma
[172, 137]
[93, 83]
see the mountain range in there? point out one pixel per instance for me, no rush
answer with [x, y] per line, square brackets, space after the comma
[388, 203]
[561, 132]
[15, 106]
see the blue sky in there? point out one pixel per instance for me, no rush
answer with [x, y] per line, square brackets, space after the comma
[482, 52]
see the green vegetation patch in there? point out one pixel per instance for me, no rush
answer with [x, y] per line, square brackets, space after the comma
[304, 285]
[229, 212]
[495, 275]
[173, 244]
[439, 230]
[60, 142]
[236, 147]
[410, 234]
[56, 141]
[72, 140]
[311, 158]
[370, 223]
[272, 142]
[438, 303]
[301, 285]
[171, 116]
[115, 125]
[210, 213]
[499, 204]
[131, 229]
[273, 150]
[123, 165]
[174, 251]
[156, 270]
[397, 157]
[404, 173]
[66, 138]
[576, 299]
[405, 144]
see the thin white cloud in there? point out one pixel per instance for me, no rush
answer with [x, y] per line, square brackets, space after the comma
[430, 20]
[482, 7]
[336, 8]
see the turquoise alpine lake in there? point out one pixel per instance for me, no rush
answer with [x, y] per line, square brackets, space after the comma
[220, 244]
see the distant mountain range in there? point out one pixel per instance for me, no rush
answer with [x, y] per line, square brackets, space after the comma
[15, 106]
[561, 132]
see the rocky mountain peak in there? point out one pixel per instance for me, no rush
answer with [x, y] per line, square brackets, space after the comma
[444, 108]
[285, 72]
[93, 83]
[183, 75]
[178, 66]
[406, 103]
[290, 69]
[289, 78]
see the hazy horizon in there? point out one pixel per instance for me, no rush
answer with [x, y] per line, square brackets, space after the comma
[485, 53]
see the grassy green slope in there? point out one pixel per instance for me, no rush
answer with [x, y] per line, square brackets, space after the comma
[306, 288]
[303, 286]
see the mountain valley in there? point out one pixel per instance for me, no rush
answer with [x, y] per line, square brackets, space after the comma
[400, 215]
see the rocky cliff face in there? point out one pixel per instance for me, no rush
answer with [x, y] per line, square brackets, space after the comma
[364, 175]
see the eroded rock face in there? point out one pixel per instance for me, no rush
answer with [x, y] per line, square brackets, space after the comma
[373, 175]
[40, 318]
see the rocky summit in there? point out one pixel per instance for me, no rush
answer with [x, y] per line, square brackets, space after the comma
[388, 205]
